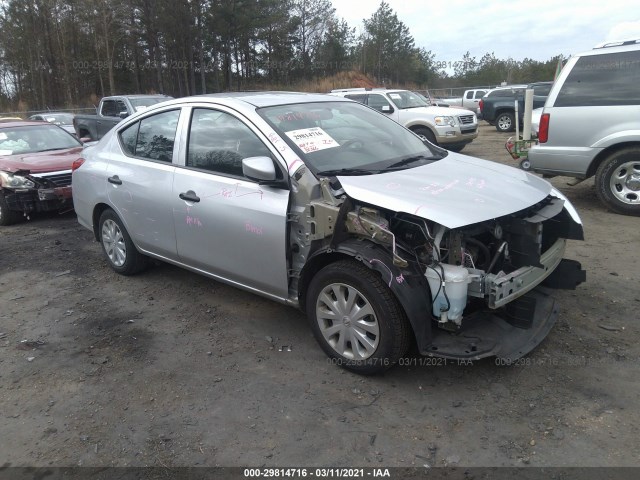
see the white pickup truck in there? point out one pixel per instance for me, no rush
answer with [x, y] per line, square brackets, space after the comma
[449, 128]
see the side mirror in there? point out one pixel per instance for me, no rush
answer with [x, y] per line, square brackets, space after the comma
[260, 169]
[123, 114]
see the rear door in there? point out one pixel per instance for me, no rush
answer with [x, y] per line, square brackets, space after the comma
[227, 225]
[141, 178]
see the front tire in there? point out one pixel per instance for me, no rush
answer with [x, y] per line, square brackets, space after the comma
[356, 319]
[117, 246]
[7, 216]
[505, 122]
[426, 133]
[618, 181]
[455, 148]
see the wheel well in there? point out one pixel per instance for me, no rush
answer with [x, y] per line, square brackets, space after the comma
[313, 266]
[595, 163]
[413, 128]
[97, 211]
[504, 110]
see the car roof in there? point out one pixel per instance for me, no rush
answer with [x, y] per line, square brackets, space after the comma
[262, 99]
[612, 47]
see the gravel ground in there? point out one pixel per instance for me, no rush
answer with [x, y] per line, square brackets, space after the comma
[169, 368]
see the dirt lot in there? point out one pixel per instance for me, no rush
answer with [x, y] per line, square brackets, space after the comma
[168, 368]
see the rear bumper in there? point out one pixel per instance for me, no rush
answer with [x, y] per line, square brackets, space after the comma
[566, 161]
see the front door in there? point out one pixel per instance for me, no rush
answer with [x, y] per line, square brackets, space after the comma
[227, 225]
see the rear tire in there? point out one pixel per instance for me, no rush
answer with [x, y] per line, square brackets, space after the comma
[356, 319]
[117, 246]
[618, 181]
[7, 216]
[505, 122]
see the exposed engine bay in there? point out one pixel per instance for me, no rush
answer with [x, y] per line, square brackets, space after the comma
[486, 270]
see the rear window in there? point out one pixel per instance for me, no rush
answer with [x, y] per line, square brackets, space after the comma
[507, 92]
[602, 80]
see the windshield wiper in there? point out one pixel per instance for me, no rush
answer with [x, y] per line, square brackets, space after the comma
[414, 106]
[407, 161]
[56, 148]
[348, 171]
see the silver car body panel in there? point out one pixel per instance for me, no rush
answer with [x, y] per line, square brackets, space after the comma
[455, 191]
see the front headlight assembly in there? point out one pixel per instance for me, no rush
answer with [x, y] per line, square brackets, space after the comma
[442, 121]
[10, 180]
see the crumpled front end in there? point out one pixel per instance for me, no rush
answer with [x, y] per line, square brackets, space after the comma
[469, 291]
[27, 193]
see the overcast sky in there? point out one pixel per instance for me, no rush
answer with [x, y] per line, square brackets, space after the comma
[538, 29]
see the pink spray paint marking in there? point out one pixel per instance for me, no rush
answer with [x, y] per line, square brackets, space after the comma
[193, 221]
[250, 228]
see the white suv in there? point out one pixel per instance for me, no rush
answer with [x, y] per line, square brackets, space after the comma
[450, 128]
[590, 124]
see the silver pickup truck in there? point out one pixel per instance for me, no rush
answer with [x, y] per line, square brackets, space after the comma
[109, 113]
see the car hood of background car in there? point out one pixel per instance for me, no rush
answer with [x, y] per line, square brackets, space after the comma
[40, 162]
[431, 110]
[454, 192]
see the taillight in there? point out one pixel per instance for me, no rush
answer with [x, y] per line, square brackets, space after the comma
[77, 164]
[543, 128]
[481, 105]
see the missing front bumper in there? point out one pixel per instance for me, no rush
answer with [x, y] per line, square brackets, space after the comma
[497, 333]
[40, 200]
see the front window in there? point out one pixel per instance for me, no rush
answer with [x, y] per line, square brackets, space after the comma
[347, 138]
[406, 99]
[218, 142]
[34, 139]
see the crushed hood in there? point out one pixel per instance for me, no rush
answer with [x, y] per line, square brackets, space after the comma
[40, 162]
[455, 191]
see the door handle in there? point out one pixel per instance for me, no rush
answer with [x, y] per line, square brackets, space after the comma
[189, 197]
[115, 180]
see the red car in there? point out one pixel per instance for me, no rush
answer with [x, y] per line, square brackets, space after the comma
[35, 169]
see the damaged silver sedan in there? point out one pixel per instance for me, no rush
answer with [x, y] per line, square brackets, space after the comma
[382, 238]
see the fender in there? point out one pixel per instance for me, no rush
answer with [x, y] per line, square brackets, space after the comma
[409, 285]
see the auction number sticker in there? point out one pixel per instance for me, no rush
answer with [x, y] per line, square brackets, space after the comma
[311, 140]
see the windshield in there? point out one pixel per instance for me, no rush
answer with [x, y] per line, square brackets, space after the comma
[406, 99]
[33, 139]
[58, 118]
[348, 138]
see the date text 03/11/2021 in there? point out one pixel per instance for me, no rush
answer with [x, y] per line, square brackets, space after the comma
[316, 472]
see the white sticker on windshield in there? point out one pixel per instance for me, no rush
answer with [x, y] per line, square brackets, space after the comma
[395, 96]
[3, 136]
[312, 139]
[6, 152]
